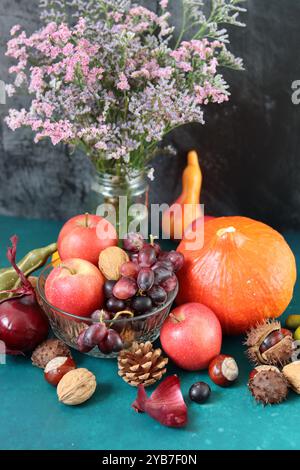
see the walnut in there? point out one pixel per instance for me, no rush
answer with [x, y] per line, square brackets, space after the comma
[76, 387]
[111, 260]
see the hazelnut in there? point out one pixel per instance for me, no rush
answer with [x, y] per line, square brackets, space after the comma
[223, 370]
[57, 368]
[76, 387]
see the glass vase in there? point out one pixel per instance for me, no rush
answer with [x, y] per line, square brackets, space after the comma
[126, 195]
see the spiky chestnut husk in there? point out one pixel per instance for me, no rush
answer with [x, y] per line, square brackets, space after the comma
[279, 354]
[48, 350]
[268, 385]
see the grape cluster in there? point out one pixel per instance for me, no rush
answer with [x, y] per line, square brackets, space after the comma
[146, 280]
[98, 334]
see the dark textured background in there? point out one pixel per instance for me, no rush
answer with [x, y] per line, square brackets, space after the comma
[249, 148]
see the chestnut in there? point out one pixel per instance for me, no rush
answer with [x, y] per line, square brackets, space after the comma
[57, 368]
[273, 339]
[268, 343]
[223, 370]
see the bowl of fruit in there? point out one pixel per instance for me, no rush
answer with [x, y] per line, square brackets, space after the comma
[100, 310]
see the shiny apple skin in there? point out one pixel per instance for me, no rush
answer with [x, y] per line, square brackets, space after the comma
[192, 336]
[80, 238]
[76, 287]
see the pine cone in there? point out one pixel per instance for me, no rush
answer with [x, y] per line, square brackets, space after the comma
[141, 364]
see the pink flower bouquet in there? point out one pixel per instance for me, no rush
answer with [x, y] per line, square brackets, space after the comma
[110, 81]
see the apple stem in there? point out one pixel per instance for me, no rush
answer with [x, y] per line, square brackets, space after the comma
[174, 318]
[68, 269]
[86, 221]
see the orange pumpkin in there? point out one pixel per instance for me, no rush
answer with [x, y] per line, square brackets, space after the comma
[245, 272]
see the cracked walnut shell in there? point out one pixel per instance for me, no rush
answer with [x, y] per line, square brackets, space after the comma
[76, 387]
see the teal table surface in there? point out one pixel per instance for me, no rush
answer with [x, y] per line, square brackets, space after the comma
[32, 418]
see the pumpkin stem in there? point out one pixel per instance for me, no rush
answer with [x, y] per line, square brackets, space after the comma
[223, 231]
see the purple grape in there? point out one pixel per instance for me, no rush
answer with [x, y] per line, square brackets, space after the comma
[108, 288]
[147, 257]
[125, 288]
[156, 246]
[115, 305]
[133, 242]
[145, 279]
[163, 264]
[129, 269]
[163, 255]
[141, 304]
[170, 284]
[176, 258]
[158, 295]
[112, 342]
[134, 257]
[100, 315]
[162, 275]
[82, 347]
[94, 334]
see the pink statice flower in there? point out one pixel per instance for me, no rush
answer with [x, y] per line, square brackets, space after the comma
[164, 3]
[16, 119]
[36, 80]
[60, 131]
[10, 90]
[15, 29]
[123, 82]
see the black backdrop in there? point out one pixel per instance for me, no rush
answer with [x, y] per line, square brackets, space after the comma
[249, 148]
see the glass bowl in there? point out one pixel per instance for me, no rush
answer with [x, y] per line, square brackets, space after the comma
[67, 327]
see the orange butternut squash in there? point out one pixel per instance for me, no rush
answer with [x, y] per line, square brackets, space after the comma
[186, 208]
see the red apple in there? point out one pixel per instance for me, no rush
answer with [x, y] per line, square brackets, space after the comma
[76, 286]
[85, 236]
[192, 336]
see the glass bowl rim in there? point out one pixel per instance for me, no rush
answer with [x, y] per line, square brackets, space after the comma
[145, 316]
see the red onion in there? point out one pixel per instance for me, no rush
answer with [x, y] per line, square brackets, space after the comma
[23, 324]
[166, 403]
